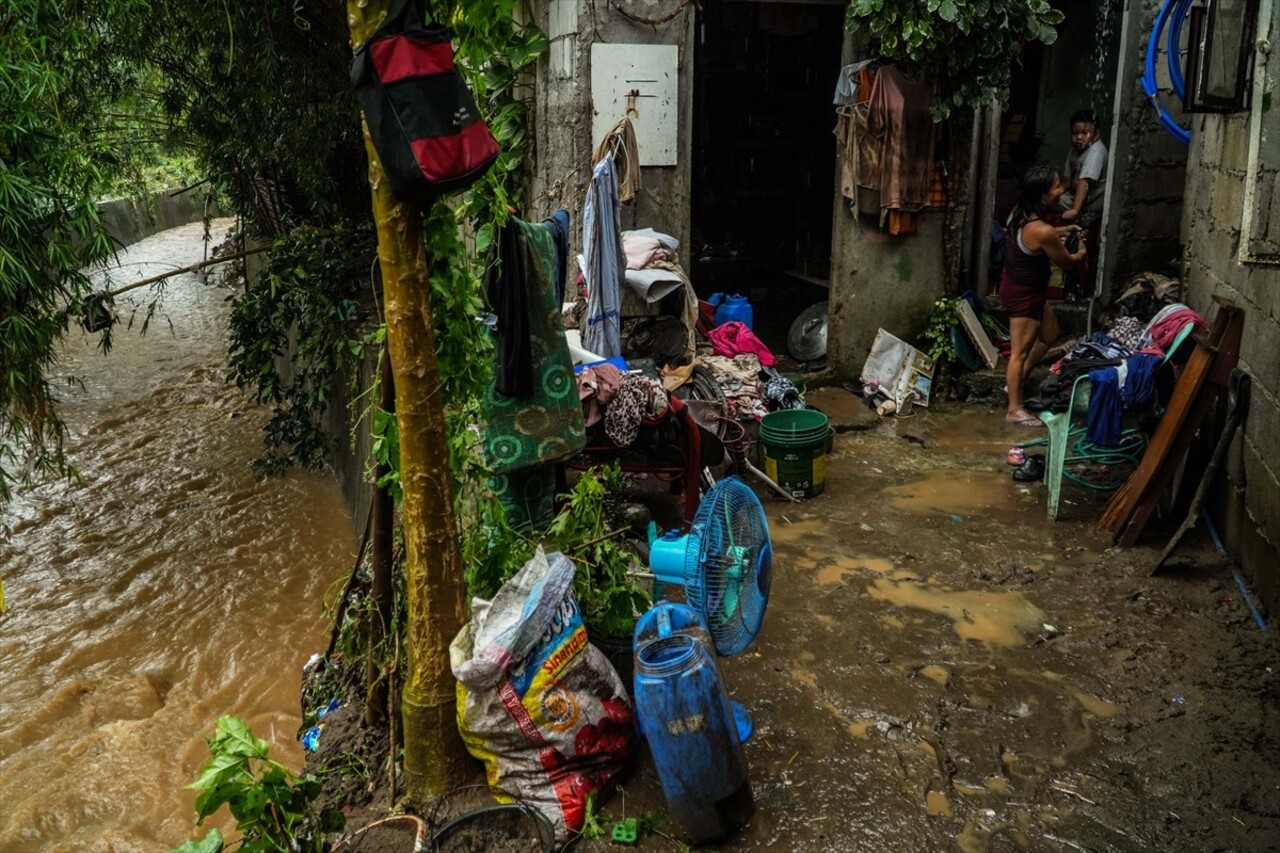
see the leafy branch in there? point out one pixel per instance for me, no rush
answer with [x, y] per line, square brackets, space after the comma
[968, 48]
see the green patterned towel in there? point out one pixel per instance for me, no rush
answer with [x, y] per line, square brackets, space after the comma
[545, 425]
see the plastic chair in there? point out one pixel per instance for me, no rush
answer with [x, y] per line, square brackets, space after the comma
[1061, 431]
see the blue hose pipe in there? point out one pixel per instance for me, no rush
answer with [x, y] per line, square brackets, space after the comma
[1173, 48]
[1177, 131]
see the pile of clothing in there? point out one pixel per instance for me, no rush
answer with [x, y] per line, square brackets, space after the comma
[623, 401]
[1121, 363]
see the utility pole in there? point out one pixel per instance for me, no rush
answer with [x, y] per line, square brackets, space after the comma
[434, 756]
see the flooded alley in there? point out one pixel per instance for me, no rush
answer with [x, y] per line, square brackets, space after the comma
[169, 587]
[943, 668]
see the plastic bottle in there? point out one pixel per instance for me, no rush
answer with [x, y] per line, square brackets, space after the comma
[735, 308]
[685, 717]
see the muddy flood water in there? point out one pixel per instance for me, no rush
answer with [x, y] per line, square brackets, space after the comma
[170, 587]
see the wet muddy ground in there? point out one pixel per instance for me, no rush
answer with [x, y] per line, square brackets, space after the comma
[944, 668]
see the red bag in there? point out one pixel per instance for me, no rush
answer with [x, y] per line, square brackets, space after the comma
[422, 117]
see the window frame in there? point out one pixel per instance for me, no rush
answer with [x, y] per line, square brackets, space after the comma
[1201, 41]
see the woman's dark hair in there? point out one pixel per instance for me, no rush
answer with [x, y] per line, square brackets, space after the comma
[1032, 186]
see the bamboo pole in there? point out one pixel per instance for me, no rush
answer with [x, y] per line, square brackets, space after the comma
[193, 268]
[434, 757]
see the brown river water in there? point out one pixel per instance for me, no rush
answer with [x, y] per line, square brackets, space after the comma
[171, 586]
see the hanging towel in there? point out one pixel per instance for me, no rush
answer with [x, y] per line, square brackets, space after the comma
[620, 143]
[604, 262]
[1105, 410]
[733, 338]
[507, 292]
[544, 424]
[558, 224]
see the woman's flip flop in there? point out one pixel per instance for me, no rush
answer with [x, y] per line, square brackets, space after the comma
[1024, 421]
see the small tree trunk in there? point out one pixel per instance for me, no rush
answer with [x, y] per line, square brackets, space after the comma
[433, 753]
[382, 537]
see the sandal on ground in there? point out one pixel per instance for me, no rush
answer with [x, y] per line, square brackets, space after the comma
[1030, 471]
[1024, 420]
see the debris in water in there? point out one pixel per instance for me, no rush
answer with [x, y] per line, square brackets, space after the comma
[1177, 699]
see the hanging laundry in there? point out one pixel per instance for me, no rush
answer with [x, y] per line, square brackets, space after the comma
[603, 265]
[558, 224]
[847, 82]
[506, 289]
[620, 142]
[733, 338]
[902, 131]
[544, 423]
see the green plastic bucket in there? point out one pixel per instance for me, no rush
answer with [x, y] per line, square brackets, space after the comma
[795, 450]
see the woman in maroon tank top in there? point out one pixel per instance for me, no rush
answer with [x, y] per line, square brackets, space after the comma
[1034, 245]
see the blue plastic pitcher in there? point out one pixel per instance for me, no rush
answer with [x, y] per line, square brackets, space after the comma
[685, 717]
[729, 309]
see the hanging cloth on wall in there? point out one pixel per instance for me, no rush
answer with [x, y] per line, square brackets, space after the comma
[620, 141]
[604, 261]
[902, 131]
[545, 423]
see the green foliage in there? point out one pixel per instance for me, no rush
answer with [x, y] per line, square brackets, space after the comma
[308, 297]
[940, 347]
[966, 47]
[52, 164]
[211, 843]
[589, 530]
[260, 93]
[271, 805]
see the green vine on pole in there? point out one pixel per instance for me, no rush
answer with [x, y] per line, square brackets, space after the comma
[968, 48]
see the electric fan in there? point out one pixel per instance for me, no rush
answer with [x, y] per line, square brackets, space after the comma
[725, 564]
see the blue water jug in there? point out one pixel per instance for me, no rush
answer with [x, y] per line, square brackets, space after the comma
[685, 718]
[730, 309]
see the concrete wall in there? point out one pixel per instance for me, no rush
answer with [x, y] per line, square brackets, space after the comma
[1148, 167]
[129, 220]
[562, 113]
[878, 281]
[1247, 507]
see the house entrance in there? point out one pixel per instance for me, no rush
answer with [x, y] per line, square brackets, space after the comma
[764, 154]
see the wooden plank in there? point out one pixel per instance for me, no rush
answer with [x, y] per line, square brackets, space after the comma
[1120, 508]
[1208, 369]
[973, 328]
[1224, 361]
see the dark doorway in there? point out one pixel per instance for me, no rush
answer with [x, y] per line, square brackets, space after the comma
[764, 153]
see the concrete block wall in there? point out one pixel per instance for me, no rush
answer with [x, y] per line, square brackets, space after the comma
[1148, 166]
[562, 114]
[1247, 506]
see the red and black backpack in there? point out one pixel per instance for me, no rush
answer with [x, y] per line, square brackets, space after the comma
[422, 117]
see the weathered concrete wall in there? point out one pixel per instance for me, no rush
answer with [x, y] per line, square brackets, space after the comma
[878, 281]
[1247, 508]
[1148, 167]
[562, 113]
[129, 220]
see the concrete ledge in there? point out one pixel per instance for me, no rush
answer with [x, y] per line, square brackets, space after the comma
[129, 220]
